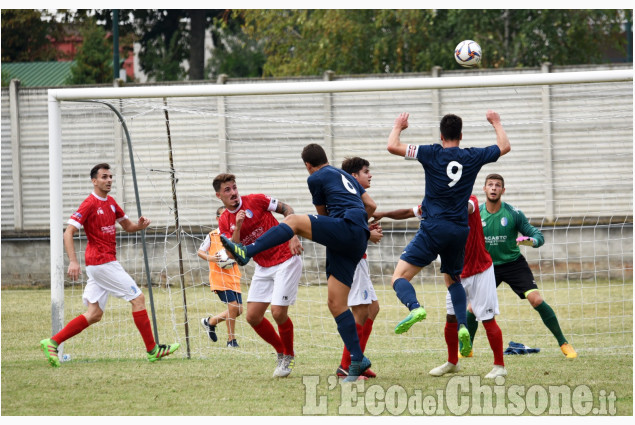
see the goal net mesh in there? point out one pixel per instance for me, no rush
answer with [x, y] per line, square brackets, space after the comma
[570, 171]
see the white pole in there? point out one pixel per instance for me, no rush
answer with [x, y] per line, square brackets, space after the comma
[55, 198]
[342, 86]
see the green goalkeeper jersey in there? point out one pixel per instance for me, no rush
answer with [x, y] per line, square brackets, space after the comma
[501, 230]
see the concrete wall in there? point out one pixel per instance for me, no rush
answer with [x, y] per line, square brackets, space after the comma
[570, 253]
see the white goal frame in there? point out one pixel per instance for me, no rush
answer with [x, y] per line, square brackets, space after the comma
[56, 96]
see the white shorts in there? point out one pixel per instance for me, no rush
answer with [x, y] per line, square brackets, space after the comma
[106, 279]
[278, 284]
[481, 295]
[362, 291]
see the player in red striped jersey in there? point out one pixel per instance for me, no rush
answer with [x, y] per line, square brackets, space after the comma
[278, 269]
[98, 215]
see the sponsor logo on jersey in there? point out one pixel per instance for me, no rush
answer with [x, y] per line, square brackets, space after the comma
[504, 221]
[249, 213]
[495, 240]
[109, 230]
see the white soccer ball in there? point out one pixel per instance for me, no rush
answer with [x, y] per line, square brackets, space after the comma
[468, 53]
[225, 262]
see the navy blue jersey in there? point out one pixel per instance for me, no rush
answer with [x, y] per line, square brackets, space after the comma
[340, 193]
[450, 176]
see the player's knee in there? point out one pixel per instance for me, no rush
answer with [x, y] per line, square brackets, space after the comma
[534, 298]
[139, 303]
[93, 316]
[253, 319]
[279, 314]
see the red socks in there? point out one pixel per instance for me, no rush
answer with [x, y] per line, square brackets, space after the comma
[452, 341]
[368, 328]
[142, 321]
[286, 336]
[495, 338]
[268, 333]
[71, 329]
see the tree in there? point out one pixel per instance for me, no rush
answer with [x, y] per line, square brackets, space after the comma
[308, 42]
[25, 36]
[93, 63]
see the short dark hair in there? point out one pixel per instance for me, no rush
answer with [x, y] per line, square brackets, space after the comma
[96, 168]
[314, 154]
[222, 178]
[451, 127]
[495, 177]
[354, 164]
[219, 210]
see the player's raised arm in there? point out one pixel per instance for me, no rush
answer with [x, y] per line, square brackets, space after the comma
[501, 136]
[395, 146]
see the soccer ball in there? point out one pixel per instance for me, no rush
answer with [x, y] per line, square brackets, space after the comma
[225, 262]
[468, 53]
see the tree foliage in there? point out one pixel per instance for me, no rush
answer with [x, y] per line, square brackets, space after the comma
[24, 36]
[93, 63]
[309, 42]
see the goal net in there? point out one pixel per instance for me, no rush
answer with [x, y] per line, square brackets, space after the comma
[570, 171]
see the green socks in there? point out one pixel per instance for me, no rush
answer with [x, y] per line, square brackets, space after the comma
[550, 320]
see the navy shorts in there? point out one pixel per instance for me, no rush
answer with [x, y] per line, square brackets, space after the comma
[230, 296]
[517, 275]
[345, 243]
[438, 238]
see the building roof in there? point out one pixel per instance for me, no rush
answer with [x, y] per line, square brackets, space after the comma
[38, 74]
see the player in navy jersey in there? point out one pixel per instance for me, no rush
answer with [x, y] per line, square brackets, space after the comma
[341, 225]
[98, 215]
[450, 172]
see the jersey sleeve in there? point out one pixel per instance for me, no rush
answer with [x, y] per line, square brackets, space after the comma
[120, 215]
[223, 225]
[206, 244]
[264, 202]
[526, 229]
[78, 218]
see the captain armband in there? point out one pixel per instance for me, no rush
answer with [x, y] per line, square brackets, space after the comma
[411, 152]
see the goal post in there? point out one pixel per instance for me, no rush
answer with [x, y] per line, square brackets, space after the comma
[361, 115]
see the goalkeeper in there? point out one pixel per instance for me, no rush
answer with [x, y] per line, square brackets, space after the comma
[501, 225]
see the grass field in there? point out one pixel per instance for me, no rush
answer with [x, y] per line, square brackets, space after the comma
[219, 381]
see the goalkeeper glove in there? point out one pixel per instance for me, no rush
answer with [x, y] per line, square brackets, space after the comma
[525, 240]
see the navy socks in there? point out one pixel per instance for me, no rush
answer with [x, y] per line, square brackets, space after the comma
[406, 293]
[277, 235]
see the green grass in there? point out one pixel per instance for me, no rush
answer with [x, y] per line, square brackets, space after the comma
[238, 382]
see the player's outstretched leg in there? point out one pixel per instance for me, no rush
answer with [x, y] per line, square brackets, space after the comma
[408, 297]
[50, 351]
[161, 351]
[237, 250]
